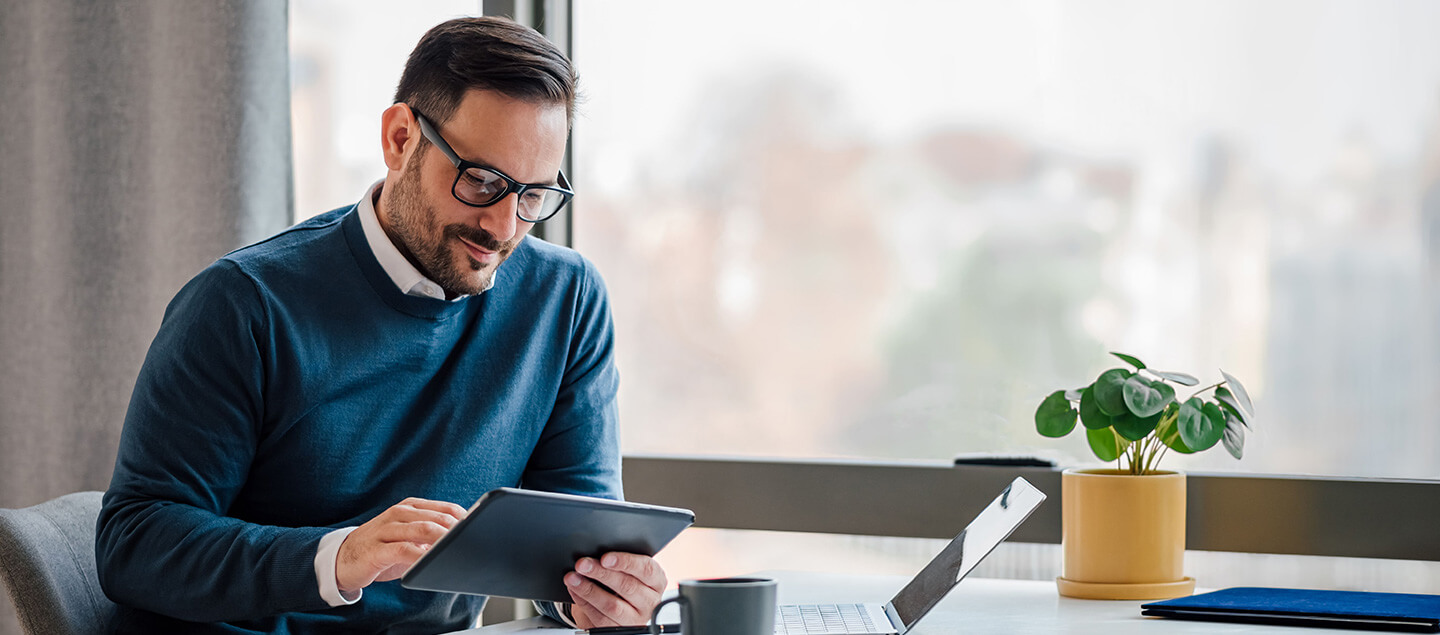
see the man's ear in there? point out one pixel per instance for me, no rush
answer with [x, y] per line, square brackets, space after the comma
[398, 132]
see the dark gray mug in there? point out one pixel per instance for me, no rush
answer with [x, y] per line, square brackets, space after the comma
[723, 606]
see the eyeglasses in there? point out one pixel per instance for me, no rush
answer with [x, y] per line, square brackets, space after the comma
[480, 186]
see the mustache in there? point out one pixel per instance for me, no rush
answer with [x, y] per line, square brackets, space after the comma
[480, 237]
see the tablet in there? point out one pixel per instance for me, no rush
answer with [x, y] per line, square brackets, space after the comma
[520, 543]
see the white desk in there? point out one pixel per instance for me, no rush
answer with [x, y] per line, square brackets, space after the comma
[979, 605]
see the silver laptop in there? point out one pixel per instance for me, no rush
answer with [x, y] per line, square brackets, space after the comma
[900, 614]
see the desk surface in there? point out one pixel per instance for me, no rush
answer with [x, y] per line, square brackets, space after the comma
[980, 605]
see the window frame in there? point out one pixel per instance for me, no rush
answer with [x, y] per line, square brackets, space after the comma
[1231, 512]
[552, 19]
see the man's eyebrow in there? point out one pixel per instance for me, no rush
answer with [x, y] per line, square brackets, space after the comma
[480, 161]
[554, 180]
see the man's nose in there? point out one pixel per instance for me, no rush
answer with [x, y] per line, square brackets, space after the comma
[500, 218]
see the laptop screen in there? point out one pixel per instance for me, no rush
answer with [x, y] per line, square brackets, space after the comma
[976, 541]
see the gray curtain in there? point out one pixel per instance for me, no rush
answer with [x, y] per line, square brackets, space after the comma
[139, 141]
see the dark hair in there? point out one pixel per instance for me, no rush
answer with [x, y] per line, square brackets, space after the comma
[489, 53]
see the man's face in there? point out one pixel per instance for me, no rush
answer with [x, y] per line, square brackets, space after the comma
[454, 244]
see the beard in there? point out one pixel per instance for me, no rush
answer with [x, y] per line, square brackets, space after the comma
[433, 248]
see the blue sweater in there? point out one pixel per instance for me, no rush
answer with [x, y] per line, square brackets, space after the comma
[293, 389]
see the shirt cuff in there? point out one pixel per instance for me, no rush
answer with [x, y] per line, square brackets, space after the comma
[325, 558]
[564, 610]
[559, 611]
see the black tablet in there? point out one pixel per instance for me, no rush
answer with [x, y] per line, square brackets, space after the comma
[520, 543]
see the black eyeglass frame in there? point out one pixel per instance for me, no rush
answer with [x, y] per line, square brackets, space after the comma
[511, 185]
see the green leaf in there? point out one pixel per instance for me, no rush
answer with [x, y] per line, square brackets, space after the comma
[1134, 428]
[1227, 399]
[1090, 414]
[1234, 438]
[1179, 378]
[1131, 360]
[1201, 424]
[1055, 417]
[1109, 391]
[1241, 395]
[1216, 415]
[1192, 421]
[1170, 436]
[1106, 445]
[1145, 398]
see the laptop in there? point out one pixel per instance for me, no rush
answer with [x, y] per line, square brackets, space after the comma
[902, 613]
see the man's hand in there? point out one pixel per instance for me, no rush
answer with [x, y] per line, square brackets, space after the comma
[385, 547]
[636, 580]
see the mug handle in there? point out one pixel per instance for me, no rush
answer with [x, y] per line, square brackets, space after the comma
[655, 614]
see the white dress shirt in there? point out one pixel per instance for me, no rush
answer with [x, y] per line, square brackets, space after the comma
[405, 275]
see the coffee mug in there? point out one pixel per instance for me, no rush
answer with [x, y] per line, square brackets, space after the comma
[723, 606]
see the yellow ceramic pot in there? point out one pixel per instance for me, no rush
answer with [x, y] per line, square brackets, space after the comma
[1123, 535]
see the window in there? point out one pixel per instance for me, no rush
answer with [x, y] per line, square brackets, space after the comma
[887, 230]
[847, 229]
[345, 60]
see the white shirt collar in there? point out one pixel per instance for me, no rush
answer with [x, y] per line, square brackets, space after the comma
[405, 276]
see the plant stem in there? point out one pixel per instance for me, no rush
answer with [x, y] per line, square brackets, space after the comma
[1137, 458]
[1156, 446]
[1138, 465]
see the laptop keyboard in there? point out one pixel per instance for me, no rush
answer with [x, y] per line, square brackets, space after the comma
[797, 619]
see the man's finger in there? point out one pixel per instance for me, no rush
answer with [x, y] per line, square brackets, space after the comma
[407, 515]
[444, 507]
[405, 553]
[605, 603]
[628, 587]
[585, 615]
[420, 533]
[399, 556]
[643, 568]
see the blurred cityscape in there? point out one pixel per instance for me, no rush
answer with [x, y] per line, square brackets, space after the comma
[795, 293]
[786, 283]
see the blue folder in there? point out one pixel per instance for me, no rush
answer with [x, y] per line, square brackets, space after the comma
[1407, 612]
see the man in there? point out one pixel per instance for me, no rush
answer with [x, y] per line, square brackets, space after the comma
[316, 407]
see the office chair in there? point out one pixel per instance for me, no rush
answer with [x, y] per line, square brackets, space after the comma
[47, 560]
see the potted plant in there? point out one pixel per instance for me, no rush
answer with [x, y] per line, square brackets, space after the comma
[1123, 529]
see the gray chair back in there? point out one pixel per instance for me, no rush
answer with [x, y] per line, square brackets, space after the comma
[47, 560]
